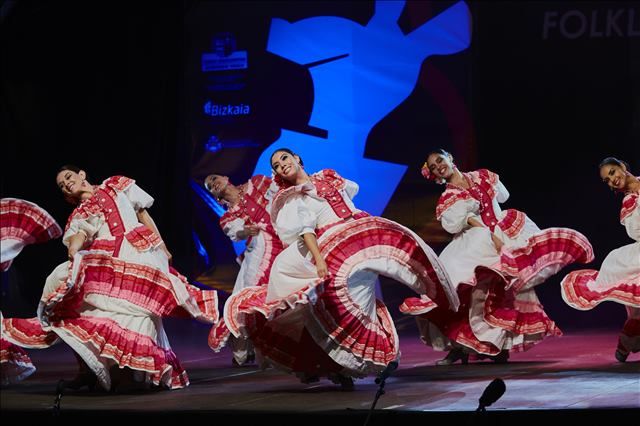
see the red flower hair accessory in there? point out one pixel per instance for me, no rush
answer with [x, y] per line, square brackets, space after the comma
[281, 183]
[426, 173]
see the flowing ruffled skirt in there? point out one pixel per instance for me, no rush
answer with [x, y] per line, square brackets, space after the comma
[110, 310]
[318, 327]
[618, 281]
[499, 308]
[255, 268]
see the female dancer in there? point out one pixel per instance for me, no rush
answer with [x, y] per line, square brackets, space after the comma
[619, 277]
[108, 300]
[21, 223]
[318, 316]
[246, 218]
[495, 259]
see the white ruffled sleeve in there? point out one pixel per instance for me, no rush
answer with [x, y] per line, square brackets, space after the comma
[351, 188]
[502, 194]
[632, 224]
[89, 226]
[232, 228]
[454, 219]
[138, 197]
[294, 219]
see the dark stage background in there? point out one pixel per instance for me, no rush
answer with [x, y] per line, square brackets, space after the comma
[544, 91]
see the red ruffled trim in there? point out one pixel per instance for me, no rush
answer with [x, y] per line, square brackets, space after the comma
[503, 310]
[512, 223]
[544, 255]
[485, 179]
[327, 176]
[143, 238]
[27, 333]
[273, 247]
[141, 285]
[416, 306]
[15, 364]
[448, 198]
[218, 336]
[242, 306]
[91, 207]
[203, 304]
[27, 222]
[629, 204]
[455, 325]
[127, 348]
[256, 189]
[337, 318]
[576, 291]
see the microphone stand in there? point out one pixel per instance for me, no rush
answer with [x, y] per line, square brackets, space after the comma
[55, 410]
[381, 381]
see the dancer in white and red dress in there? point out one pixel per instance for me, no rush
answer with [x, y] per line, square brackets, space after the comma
[495, 259]
[21, 223]
[246, 218]
[318, 316]
[107, 302]
[618, 279]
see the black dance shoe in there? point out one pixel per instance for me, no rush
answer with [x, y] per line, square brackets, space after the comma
[620, 356]
[501, 358]
[453, 356]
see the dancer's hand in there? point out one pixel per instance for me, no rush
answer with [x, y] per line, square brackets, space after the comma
[75, 243]
[166, 251]
[251, 230]
[497, 242]
[321, 267]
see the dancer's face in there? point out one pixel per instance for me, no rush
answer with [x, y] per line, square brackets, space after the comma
[72, 184]
[614, 176]
[285, 165]
[216, 184]
[440, 166]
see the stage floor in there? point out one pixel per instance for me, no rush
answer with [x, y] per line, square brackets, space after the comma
[577, 371]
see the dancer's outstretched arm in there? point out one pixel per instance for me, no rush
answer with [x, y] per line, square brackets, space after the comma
[145, 218]
[311, 242]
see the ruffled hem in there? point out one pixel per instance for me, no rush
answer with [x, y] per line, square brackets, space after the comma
[576, 290]
[218, 336]
[27, 222]
[500, 322]
[242, 306]
[352, 338]
[356, 341]
[272, 247]
[416, 306]
[27, 333]
[501, 309]
[23, 223]
[544, 255]
[199, 304]
[98, 340]
[364, 349]
[360, 345]
[15, 364]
